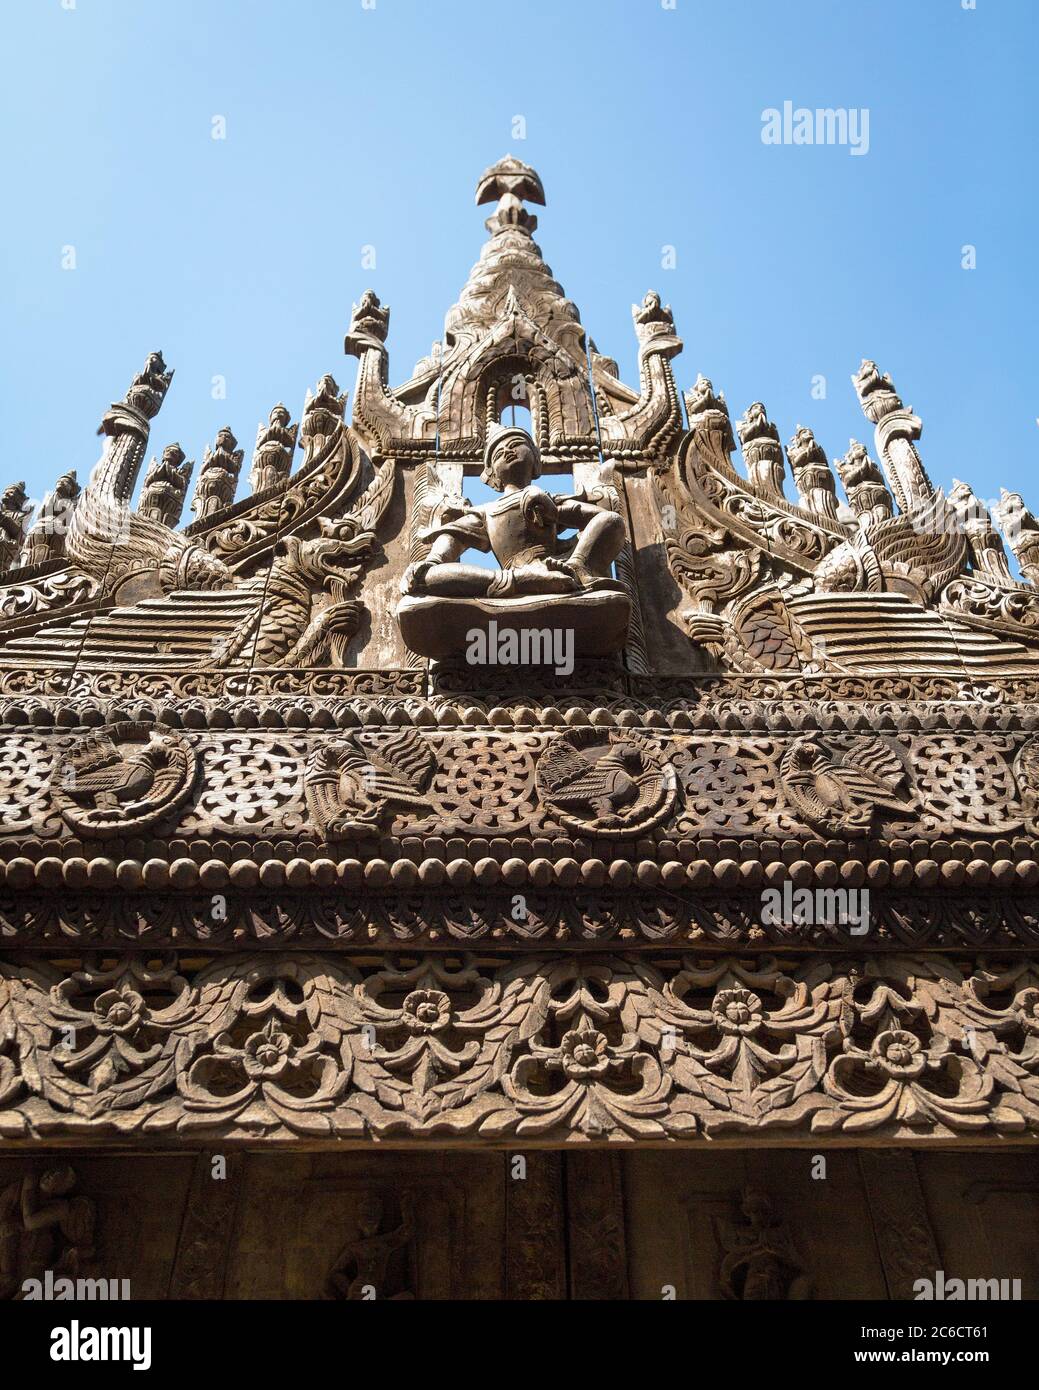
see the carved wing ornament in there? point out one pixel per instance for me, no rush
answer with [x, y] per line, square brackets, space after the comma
[842, 791]
[355, 791]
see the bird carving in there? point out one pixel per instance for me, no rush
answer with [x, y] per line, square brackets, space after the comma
[128, 777]
[843, 791]
[1026, 771]
[100, 773]
[604, 785]
[354, 790]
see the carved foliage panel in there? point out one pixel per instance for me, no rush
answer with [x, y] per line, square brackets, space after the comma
[606, 1048]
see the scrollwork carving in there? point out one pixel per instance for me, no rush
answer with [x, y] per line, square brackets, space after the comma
[611, 1048]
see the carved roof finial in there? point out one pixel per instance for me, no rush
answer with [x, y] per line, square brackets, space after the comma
[510, 175]
[511, 182]
[148, 388]
[369, 325]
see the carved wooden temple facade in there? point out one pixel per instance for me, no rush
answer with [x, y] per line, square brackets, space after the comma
[375, 918]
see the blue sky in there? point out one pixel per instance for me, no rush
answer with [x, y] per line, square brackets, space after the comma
[350, 127]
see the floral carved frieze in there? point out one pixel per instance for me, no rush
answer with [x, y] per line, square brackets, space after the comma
[596, 784]
[608, 1048]
[895, 701]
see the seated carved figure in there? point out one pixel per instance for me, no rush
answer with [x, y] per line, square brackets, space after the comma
[542, 578]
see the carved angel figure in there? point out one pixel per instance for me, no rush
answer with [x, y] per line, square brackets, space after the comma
[275, 444]
[43, 1226]
[760, 1261]
[364, 1261]
[46, 540]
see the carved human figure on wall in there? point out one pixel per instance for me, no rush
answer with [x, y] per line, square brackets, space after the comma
[43, 1227]
[362, 1269]
[760, 1262]
[521, 529]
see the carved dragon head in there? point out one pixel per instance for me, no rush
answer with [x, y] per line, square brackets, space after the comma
[337, 557]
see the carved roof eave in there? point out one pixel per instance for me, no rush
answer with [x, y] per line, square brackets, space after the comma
[328, 478]
[788, 533]
[242, 536]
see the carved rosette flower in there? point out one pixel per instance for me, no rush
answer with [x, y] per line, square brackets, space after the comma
[119, 1011]
[266, 1053]
[751, 1045]
[272, 1055]
[900, 1055]
[266, 1081]
[997, 1019]
[737, 1010]
[426, 1011]
[1026, 1010]
[588, 1066]
[104, 1036]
